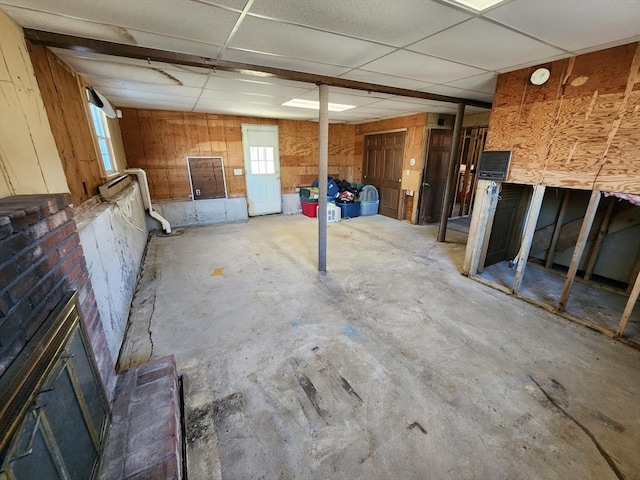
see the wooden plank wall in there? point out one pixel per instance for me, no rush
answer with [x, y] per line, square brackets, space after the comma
[581, 129]
[159, 142]
[415, 126]
[64, 102]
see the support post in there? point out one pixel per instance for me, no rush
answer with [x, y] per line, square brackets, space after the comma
[529, 231]
[323, 168]
[449, 194]
[583, 236]
[631, 303]
[485, 200]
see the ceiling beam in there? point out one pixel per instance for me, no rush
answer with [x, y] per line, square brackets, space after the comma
[131, 51]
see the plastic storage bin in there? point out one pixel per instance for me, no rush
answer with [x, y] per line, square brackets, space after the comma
[332, 188]
[310, 209]
[349, 210]
[369, 200]
[369, 208]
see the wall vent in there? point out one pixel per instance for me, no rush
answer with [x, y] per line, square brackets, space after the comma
[115, 186]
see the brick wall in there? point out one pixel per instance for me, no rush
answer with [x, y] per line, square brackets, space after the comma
[40, 259]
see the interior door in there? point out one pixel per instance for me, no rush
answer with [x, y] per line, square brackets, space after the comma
[434, 178]
[382, 168]
[392, 150]
[262, 168]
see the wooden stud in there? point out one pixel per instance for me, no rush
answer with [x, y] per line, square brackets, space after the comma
[634, 273]
[631, 303]
[557, 229]
[449, 194]
[527, 238]
[487, 232]
[583, 236]
[486, 197]
[602, 232]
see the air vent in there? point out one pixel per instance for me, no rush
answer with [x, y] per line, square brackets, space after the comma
[115, 186]
[494, 165]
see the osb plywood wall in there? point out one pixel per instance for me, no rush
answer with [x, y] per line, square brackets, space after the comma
[581, 129]
[67, 109]
[160, 141]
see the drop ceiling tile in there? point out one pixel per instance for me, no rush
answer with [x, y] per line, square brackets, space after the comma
[533, 63]
[184, 19]
[359, 93]
[420, 67]
[135, 73]
[341, 98]
[172, 44]
[275, 61]
[168, 95]
[573, 25]
[237, 97]
[386, 80]
[397, 106]
[383, 21]
[184, 105]
[485, 83]
[234, 4]
[459, 92]
[146, 90]
[485, 45]
[286, 40]
[242, 85]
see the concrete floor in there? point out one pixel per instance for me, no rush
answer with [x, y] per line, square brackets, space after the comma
[390, 366]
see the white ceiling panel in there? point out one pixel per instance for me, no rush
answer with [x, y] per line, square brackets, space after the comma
[484, 44]
[176, 18]
[292, 41]
[459, 92]
[573, 25]
[485, 83]
[122, 88]
[382, 79]
[454, 52]
[275, 61]
[377, 20]
[216, 82]
[421, 67]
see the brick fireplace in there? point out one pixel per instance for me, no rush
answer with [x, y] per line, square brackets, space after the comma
[40, 260]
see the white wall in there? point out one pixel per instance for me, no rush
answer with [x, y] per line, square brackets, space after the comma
[29, 161]
[114, 237]
[200, 212]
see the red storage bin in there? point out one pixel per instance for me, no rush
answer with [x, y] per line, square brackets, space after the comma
[309, 208]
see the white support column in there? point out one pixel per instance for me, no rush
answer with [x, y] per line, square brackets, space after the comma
[323, 168]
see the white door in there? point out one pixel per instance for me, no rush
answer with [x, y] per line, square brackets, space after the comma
[262, 168]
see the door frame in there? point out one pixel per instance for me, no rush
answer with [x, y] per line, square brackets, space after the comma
[384, 132]
[246, 162]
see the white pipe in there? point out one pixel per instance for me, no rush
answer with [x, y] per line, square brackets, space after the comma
[146, 197]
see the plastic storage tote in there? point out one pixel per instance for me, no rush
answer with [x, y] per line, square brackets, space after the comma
[349, 210]
[369, 200]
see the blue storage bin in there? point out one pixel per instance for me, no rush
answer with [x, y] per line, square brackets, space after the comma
[369, 208]
[349, 210]
[332, 188]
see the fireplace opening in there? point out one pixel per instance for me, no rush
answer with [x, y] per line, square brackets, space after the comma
[54, 412]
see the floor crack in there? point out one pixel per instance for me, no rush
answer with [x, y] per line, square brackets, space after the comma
[591, 436]
[153, 309]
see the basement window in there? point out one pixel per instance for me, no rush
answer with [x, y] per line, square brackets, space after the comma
[101, 129]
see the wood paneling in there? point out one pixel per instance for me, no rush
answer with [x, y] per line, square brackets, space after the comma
[160, 141]
[64, 101]
[581, 129]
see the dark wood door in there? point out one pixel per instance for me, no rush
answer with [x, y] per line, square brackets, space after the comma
[382, 168]
[434, 178]
[504, 241]
[207, 178]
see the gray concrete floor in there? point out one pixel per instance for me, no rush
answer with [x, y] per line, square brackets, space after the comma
[390, 366]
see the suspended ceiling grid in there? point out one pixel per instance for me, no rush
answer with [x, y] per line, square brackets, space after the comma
[426, 45]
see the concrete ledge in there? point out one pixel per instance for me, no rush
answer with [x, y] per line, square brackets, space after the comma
[145, 439]
[200, 212]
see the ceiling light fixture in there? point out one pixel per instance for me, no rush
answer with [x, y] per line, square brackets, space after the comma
[315, 105]
[476, 5]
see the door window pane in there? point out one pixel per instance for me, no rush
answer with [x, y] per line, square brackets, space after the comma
[262, 160]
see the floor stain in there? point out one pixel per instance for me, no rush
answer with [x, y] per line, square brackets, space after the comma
[418, 426]
[227, 406]
[349, 389]
[218, 272]
[196, 425]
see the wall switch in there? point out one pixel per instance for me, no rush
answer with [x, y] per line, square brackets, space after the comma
[237, 171]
